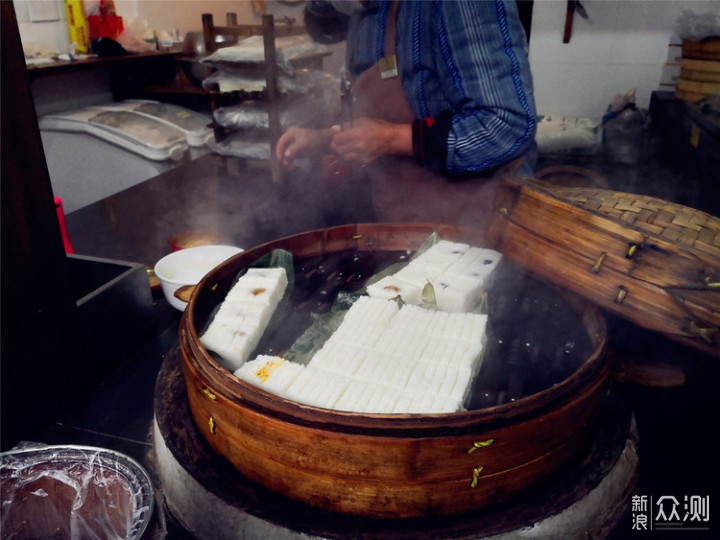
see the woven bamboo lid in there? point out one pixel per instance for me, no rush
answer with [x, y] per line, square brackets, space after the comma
[686, 227]
[655, 262]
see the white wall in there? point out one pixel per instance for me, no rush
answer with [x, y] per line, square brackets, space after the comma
[623, 45]
[161, 15]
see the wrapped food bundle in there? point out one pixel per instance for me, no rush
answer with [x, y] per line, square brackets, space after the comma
[251, 51]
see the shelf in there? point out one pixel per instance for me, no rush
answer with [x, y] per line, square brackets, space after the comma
[88, 64]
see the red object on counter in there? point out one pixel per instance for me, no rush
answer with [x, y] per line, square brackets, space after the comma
[105, 22]
[63, 225]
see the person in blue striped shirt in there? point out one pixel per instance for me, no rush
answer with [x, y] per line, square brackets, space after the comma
[442, 106]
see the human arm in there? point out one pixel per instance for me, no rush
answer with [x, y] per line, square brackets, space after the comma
[368, 139]
[299, 142]
[472, 83]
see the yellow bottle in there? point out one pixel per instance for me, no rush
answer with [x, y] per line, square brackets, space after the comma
[77, 24]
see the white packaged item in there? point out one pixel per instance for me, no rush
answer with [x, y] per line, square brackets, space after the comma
[246, 144]
[562, 135]
[251, 50]
[195, 126]
[300, 111]
[140, 134]
[304, 101]
[228, 79]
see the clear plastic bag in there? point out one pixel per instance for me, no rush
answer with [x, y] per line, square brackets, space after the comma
[697, 26]
[230, 79]
[300, 111]
[251, 51]
[75, 492]
[248, 144]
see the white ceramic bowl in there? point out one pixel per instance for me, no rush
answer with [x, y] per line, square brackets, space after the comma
[188, 267]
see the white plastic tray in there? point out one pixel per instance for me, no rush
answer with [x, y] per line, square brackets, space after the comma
[195, 126]
[137, 133]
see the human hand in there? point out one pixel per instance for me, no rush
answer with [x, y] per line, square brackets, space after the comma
[369, 138]
[299, 142]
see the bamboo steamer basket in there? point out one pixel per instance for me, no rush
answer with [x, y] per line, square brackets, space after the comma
[395, 465]
[653, 262]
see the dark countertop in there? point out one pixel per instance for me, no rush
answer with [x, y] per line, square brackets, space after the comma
[211, 193]
[226, 196]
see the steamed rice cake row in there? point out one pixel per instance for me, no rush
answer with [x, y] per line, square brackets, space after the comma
[383, 359]
[458, 273]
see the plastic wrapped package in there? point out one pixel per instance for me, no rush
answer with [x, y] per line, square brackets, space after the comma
[249, 114]
[77, 492]
[296, 111]
[251, 51]
[229, 79]
[306, 106]
[248, 144]
[320, 83]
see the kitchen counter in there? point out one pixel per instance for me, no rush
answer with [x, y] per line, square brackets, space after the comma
[240, 202]
[215, 194]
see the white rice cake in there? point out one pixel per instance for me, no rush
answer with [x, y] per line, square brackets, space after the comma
[451, 352]
[377, 400]
[415, 273]
[359, 333]
[413, 318]
[417, 361]
[446, 249]
[350, 399]
[339, 358]
[456, 294]
[233, 339]
[440, 256]
[317, 388]
[401, 342]
[270, 373]
[399, 372]
[328, 390]
[373, 368]
[476, 263]
[458, 273]
[390, 287]
[262, 285]
[372, 310]
[244, 314]
[240, 310]
[304, 387]
[460, 285]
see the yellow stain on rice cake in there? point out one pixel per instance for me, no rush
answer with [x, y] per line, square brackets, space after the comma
[264, 372]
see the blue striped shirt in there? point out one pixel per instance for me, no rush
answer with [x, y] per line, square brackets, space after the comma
[465, 61]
